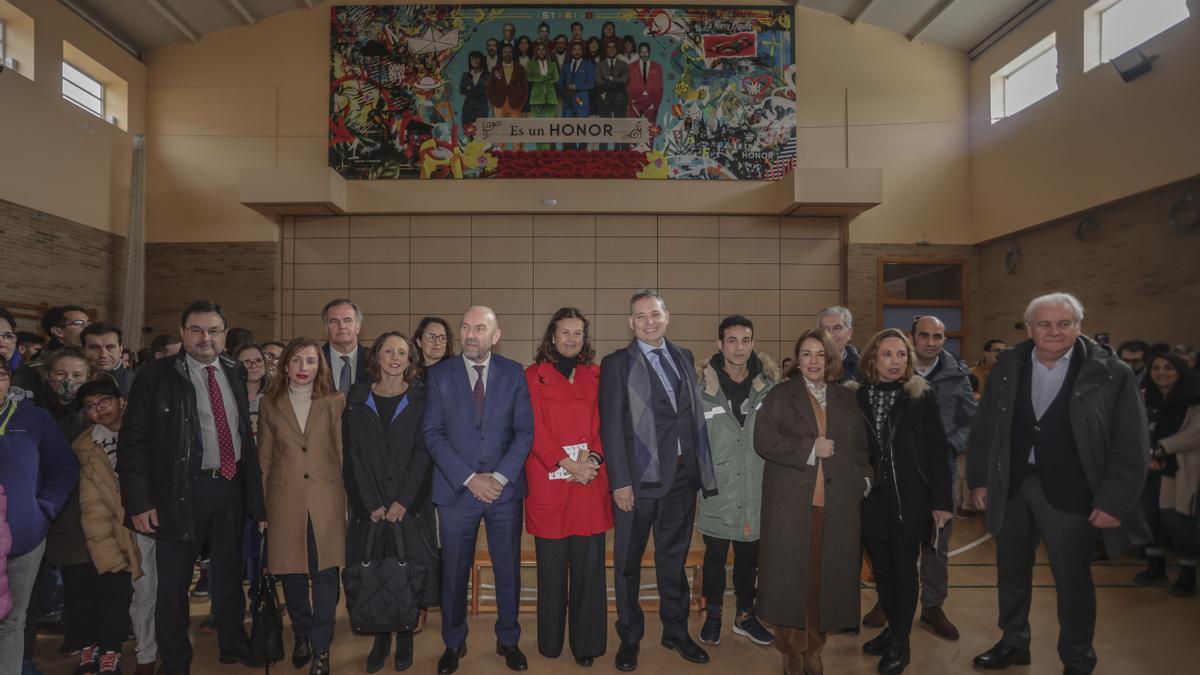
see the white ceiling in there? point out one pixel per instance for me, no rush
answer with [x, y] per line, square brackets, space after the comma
[142, 25]
[961, 24]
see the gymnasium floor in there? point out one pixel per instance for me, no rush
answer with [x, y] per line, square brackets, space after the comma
[1139, 630]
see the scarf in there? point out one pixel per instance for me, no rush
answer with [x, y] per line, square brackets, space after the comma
[817, 397]
[645, 439]
[564, 364]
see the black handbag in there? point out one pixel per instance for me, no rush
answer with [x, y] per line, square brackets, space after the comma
[266, 628]
[383, 594]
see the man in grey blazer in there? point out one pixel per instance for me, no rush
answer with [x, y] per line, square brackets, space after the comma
[1058, 451]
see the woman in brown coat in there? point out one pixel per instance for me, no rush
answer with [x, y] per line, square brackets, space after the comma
[300, 451]
[814, 440]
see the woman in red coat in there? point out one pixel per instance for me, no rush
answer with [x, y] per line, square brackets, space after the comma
[568, 509]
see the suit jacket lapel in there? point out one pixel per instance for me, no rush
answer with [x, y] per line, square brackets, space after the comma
[462, 382]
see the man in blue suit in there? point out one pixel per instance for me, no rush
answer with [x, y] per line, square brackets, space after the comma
[478, 430]
[577, 80]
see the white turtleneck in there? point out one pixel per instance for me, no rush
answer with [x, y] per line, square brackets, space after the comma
[301, 398]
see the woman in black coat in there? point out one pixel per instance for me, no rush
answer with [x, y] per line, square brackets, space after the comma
[473, 87]
[909, 500]
[388, 474]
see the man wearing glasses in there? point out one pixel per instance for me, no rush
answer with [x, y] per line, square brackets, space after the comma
[347, 359]
[63, 324]
[189, 473]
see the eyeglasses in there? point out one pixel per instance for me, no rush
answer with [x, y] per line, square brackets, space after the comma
[4, 376]
[252, 363]
[101, 403]
[271, 358]
[79, 323]
[8, 337]
[197, 331]
[434, 338]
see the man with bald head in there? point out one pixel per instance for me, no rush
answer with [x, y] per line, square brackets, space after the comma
[478, 431]
[951, 381]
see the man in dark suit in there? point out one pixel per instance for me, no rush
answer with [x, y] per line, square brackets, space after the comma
[189, 474]
[1058, 447]
[576, 81]
[612, 83]
[478, 431]
[347, 359]
[656, 446]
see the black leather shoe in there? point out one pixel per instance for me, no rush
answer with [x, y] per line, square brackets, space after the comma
[878, 645]
[449, 661]
[404, 651]
[627, 655]
[513, 658]
[585, 661]
[320, 664]
[301, 651]
[240, 656]
[379, 652]
[1002, 656]
[687, 648]
[895, 659]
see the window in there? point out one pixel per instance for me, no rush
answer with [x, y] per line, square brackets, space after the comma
[1026, 79]
[2, 52]
[912, 287]
[1113, 27]
[82, 90]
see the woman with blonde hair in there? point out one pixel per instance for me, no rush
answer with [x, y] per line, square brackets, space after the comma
[300, 452]
[814, 442]
[909, 500]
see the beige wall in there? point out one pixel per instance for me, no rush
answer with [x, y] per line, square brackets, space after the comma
[778, 271]
[1095, 140]
[256, 97]
[54, 157]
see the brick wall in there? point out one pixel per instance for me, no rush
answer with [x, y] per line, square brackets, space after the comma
[862, 273]
[51, 260]
[241, 276]
[1136, 276]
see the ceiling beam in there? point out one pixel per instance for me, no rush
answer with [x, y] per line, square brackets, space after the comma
[174, 20]
[927, 20]
[1019, 18]
[856, 13]
[99, 25]
[247, 17]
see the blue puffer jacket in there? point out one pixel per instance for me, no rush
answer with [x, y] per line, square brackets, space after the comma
[38, 471]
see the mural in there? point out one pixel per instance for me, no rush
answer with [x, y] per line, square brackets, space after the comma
[448, 91]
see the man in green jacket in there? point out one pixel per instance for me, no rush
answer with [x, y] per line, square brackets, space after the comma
[733, 385]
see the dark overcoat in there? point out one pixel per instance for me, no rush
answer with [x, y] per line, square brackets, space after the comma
[784, 436]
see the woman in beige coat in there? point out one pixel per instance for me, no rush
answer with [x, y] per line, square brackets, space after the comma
[300, 451]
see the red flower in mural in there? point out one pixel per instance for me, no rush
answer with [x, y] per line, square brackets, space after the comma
[568, 163]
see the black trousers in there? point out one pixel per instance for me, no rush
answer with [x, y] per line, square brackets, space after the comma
[109, 595]
[895, 567]
[670, 517]
[217, 512]
[745, 571]
[314, 619]
[1028, 519]
[1153, 513]
[80, 606]
[570, 574]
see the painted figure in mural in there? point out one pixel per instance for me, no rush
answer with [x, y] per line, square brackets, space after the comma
[543, 34]
[510, 35]
[593, 49]
[493, 53]
[577, 81]
[608, 34]
[645, 86]
[508, 88]
[474, 88]
[612, 79]
[561, 53]
[628, 49]
[576, 32]
[524, 50]
[543, 80]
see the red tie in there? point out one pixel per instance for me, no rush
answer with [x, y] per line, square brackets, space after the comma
[224, 439]
[478, 393]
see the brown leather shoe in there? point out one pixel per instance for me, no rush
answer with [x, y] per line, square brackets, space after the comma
[875, 618]
[936, 619]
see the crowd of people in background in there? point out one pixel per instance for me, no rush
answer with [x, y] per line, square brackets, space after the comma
[210, 455]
